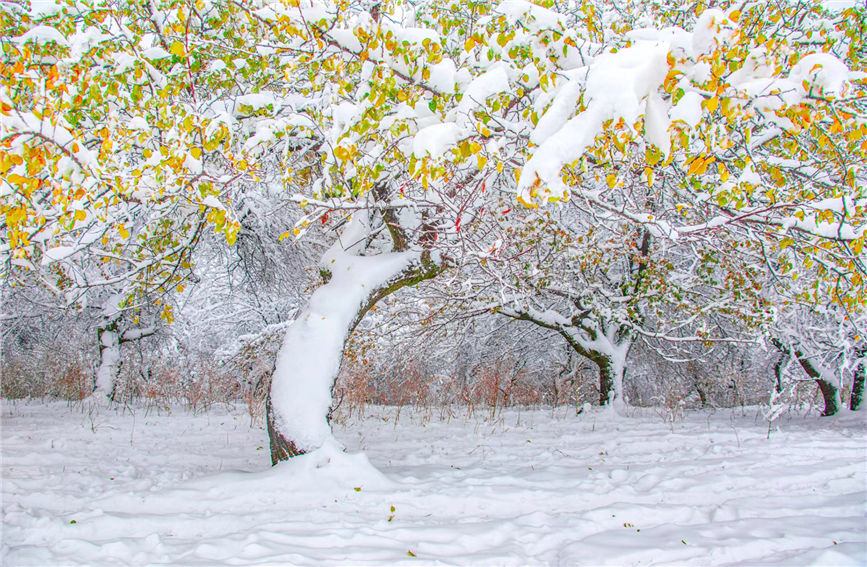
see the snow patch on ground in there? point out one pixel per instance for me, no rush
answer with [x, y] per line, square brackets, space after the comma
[137, 486]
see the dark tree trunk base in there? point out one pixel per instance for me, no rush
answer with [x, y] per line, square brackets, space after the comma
[606, 376]
[858, 385]
[282, 449]
[829, 395]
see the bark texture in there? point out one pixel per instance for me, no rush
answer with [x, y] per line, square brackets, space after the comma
[858, 382]
[828, 389]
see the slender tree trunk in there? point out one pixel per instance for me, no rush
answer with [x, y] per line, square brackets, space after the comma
[778, 371]
[829, 396]
[858, 382]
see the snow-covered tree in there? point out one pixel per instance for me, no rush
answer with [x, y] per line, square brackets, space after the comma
[726, 142]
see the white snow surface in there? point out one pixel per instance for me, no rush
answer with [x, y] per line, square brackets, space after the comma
[532, 16]
[42, 34]
[824, 71]
[99, 485]
[688, 109]
[436, 139]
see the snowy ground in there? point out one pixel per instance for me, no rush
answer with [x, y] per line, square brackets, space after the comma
[529, 488]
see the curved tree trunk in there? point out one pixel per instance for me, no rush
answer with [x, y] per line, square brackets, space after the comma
[830, 394]
[310, 356]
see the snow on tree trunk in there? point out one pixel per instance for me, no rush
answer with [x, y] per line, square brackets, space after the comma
[309, 359]
[109, 360]
[607, 347]
[109, 339]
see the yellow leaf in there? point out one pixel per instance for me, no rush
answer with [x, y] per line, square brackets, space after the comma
[481, 161]
[526, 203]
[611, 179]
[649, 173]
[17, 179]
[80, 215]
[699, 165]
[124, 233]
[196, 152]
[711, 104]
[178, 49]
[341, 153]
[469, 43]
[15, 215]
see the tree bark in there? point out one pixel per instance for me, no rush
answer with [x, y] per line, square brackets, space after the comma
[829, 391]
[778, 370]
[606, 376]
[281, 448]
[858, 381]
